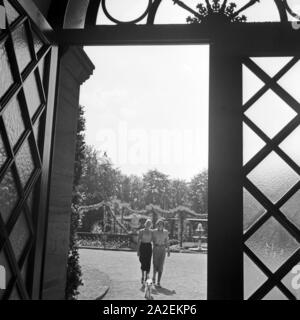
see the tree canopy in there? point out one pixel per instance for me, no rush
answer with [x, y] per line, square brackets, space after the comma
[102, 181]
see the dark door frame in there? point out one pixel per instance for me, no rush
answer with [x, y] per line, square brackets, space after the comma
[27, 284]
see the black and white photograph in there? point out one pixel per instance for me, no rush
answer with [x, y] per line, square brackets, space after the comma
[149, 152]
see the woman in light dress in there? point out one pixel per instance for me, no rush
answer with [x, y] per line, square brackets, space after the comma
[160, 238]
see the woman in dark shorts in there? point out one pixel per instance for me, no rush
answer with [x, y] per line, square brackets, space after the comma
[144, 249]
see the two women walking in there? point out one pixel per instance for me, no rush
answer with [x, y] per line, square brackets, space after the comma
[159, 237]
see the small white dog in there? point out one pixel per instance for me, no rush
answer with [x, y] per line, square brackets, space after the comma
[148, 289]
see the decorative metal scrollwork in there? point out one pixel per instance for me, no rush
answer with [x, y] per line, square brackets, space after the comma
[207, 11]
[217, 11]
[290, 10]
[113, 19]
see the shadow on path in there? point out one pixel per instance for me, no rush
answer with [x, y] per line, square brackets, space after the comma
[164, 291]
[142, 289]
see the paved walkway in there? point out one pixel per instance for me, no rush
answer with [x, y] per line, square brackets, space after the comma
[184, 276]
[95, 283]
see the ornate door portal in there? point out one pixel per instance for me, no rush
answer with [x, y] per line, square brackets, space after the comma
[254, 131]
[254, 218]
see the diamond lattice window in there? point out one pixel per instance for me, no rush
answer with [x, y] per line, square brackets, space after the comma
[271, 177]
[23, 62]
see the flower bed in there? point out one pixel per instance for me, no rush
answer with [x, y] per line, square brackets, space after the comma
[104, 241]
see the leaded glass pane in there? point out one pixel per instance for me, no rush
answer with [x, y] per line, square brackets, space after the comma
[25, 163]
[3, 153]
[8, 196]
[15, 295]
[290, 81]
[19, 236]
[252, 144]
[275, 294]
[38, 43]
[271, 65]
[251, 84]
[272, 244]
[6, 78]
[292, 209]
[21, 47]
[14, 121]
[24, 271]
[11, 12]
[38, 133]
[291, 145]
[253, 277]
[30, 201]
[253, 210]
[42, 69]
[36, 130]
[270, 113]
[22, 168]
[273, 177]
[32, 94]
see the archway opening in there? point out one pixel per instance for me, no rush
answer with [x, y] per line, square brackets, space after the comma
[146, 157]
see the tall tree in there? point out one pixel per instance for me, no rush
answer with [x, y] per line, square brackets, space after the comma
[156, 188]
[179, 193]
[137, 197]
[122, 187]
[199, 192]
[100, 180]
[73, 269]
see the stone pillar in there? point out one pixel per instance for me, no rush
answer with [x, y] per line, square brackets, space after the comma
[74, 68]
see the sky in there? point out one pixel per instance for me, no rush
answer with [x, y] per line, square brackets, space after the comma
[147, 106]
